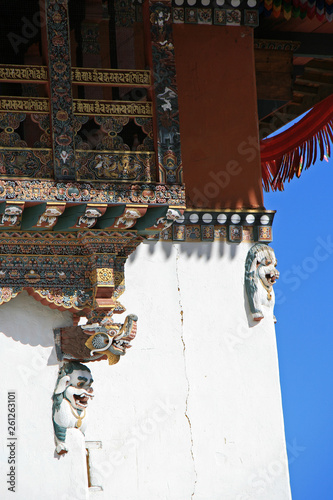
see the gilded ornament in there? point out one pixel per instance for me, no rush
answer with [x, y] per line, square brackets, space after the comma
[62, 115]
[56, 17]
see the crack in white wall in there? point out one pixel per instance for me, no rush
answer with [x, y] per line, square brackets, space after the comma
[185, 365]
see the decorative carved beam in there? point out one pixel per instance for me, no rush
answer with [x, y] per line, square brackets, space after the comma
[109, 216]
[129, 217]
[308, 44]
[80, 76]
[25, 105]
[82, 272]
[31, 216]
[69, 218]
[112, 108]
[156, 219]
[83, 192]
[110, 77]
[12, 215]
[219, 225]
[79, 217]
[41, 217]
[81, 107]
[23, 74]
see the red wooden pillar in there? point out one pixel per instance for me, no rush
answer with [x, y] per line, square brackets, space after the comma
[218, 116]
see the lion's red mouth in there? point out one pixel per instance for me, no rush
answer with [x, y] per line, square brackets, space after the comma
[81, 400]
[271, 279]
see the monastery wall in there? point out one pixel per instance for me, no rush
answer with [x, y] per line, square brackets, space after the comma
[30, 368]
[192, 411]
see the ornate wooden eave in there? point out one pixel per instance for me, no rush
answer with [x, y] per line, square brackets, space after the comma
[76, 199]
[71, 254]
[294, 60]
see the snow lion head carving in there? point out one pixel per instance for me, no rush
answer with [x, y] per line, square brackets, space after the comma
[260, 276]
[70, 400]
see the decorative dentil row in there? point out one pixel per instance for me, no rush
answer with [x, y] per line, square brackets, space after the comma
[62, 216]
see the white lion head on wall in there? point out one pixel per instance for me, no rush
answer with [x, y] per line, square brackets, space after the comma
[260, 276]
[70, 400]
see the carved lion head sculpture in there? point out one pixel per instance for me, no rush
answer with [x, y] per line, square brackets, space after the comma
[260, 276]
[70, 400]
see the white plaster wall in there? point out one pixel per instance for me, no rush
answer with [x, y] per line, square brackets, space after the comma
[29, 367]
[193, 411]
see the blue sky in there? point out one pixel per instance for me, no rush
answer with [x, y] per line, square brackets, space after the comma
[303, 243]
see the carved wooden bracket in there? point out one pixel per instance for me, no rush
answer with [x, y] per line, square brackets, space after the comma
[80, 271]
[92, 342]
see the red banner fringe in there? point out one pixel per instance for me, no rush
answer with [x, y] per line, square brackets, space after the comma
[294, 150]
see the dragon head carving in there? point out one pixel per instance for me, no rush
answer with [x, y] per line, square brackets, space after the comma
[111, 339]
[96, 341]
